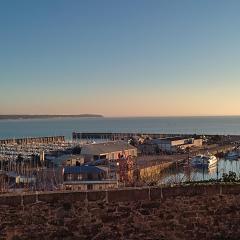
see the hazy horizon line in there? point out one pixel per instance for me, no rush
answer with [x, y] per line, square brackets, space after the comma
[125, 116]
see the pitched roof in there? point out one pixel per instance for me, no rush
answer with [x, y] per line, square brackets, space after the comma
[106, 147]
[82, 169]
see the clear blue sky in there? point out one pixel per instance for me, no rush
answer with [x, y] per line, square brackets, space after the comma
[120, 58]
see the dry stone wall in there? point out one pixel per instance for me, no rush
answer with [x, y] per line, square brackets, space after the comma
[193, 212]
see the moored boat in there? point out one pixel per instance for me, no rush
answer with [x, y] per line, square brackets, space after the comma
[204, 161]
[232, 155]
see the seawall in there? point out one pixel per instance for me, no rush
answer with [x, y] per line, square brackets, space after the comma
[191, 212]
[31, 140]
[151, 173]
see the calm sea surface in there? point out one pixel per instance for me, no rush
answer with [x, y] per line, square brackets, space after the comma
[65, 126]
[171, 176]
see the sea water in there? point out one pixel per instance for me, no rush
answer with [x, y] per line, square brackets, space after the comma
[167, 125]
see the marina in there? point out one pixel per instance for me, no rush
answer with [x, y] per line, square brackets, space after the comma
[38, 163]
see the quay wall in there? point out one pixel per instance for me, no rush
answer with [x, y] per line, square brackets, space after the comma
[190, 212]
[151, 166]
[218, 149]
[151, 173]
[31, 140]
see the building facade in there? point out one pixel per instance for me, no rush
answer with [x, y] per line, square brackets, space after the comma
[82, 178]
[173, 144]
[108, 150]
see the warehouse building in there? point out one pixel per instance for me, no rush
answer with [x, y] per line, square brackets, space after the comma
[108, 150]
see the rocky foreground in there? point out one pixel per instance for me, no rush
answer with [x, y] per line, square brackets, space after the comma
[196, 217]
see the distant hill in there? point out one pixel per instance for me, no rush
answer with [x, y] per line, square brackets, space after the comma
[6, 117]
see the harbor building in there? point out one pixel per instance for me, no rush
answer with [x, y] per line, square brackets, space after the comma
[108, 150]
[84, 178]
[173, 144]
[73, 160]
[67, 160]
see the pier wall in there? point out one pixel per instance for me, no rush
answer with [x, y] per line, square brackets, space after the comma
[192, 212]
[114, 136]
[121, 135]
[31, 140]
[151, 173]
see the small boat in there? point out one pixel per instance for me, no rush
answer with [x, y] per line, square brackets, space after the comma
[232, 155]
[204, 161]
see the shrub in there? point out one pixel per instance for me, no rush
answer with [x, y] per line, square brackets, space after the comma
[230, 177]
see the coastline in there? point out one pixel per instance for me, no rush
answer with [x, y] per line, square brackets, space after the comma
[22, 117]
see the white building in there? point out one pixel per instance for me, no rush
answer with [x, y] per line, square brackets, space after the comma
[172, 144]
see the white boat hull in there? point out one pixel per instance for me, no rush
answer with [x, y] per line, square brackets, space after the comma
[204, 161]
[232, 156]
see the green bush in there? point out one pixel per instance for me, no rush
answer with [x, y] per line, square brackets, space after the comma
[230, 177]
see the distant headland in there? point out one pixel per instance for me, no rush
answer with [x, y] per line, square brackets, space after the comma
[16, 117]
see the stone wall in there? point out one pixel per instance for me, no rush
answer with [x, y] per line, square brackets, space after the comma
[199, 212]
[151, 173]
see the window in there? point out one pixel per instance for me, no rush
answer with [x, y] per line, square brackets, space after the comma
[69, 177]
[90, 176]
[89, 187]
[79, 177]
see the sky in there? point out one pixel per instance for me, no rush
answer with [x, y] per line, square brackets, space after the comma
[120, 57]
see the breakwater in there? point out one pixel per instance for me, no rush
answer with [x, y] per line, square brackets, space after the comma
[191, 212]
[32, 140]
[115, 136]
[126, 135]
